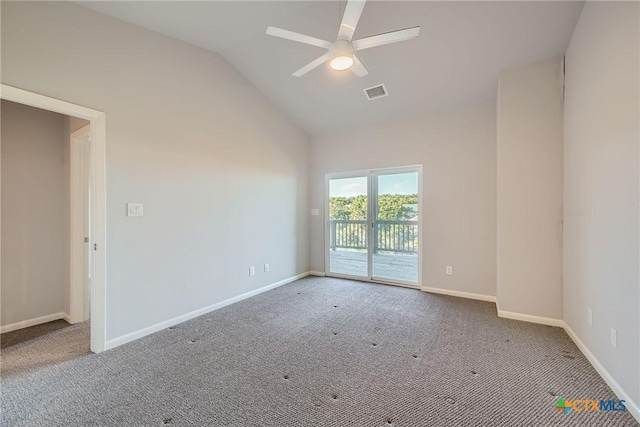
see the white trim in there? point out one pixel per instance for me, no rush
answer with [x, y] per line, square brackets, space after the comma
[132, 336]
[469, 295]
[399, 284]
[317, 273]
[632, 406]
[99, 209]
[32, 99]
[79, 205]
[529, 318]
[372, 206]
[33, 322]
[421, 225]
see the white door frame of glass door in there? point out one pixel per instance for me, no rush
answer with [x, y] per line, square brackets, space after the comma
[370, 174]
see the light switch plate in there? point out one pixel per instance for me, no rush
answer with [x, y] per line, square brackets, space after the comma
[315, 212]
[135, 209]
[614, 338]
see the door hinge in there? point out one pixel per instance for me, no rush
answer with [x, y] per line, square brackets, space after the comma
[95, 246]
[86, 240]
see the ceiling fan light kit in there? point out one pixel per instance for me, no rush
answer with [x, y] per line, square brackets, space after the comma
[341, 63]
[341, 52]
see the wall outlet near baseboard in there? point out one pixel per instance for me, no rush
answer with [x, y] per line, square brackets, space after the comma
[614, 338]
[449, 270]
[252, 271]
[590, 316]
[266, 268]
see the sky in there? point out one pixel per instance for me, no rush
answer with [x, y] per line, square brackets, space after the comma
[399, 183]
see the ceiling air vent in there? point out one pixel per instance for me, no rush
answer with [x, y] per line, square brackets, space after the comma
[376, 92]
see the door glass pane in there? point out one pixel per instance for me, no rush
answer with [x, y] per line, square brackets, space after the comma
[395, 245]
[348, 231]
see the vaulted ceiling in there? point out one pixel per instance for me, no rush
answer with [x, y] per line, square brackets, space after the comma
[455, 61]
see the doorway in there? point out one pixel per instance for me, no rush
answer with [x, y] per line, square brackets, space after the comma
[97, 215]
[373, 227]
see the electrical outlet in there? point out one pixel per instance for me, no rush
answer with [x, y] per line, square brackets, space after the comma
[614, 338]
[252, 271]
[590, 316]
[449, 270]
[266, 268]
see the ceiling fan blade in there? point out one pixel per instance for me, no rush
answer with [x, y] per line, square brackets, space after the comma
[358, 67]
[386, 38]
[297, 37]
[310, 66]
[350, 19]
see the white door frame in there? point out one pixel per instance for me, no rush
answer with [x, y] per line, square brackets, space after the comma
[371, 174]
[375, 173]
[98, 208]
[327, 243]
[79, 224]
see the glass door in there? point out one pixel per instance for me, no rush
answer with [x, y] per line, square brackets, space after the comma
[348, 226]
[373, 226]
[395, 227]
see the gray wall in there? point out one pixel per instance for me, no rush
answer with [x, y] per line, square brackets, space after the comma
[530, 190]
[458, 152]
[35, 214]
[222, 174]
[601, 205]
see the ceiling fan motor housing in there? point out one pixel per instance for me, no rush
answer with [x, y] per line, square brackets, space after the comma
[341, 48]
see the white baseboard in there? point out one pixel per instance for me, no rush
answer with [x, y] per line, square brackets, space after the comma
[33, 322]
[132, 336]
[460, 294]
[501, 313]
[632, 407]
[317, 273]
[549, 321]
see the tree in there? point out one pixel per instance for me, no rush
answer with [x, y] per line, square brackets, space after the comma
[391, 207]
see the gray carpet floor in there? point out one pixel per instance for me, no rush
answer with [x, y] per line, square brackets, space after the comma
[316, 352]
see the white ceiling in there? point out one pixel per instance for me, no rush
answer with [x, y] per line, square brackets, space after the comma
[456, 60]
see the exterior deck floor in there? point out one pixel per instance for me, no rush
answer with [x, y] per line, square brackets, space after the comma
[402, 267]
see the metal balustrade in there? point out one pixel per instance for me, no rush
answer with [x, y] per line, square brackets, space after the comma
[389, 236]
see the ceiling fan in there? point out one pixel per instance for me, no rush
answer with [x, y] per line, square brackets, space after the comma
[341, 52]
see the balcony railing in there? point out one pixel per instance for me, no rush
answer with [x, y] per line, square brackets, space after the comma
[389, 236]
